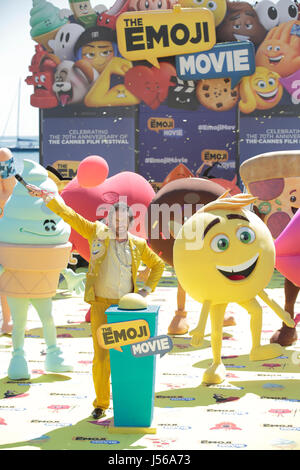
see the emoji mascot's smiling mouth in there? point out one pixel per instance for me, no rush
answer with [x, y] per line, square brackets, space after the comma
[241, 37]
[275, 60]
[268, 96]
[239, 271]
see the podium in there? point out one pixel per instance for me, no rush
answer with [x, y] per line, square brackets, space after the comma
[133, 378]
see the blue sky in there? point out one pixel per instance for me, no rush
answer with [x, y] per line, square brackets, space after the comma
[17, 49]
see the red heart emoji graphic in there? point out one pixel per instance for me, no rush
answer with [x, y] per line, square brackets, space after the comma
[150, 85]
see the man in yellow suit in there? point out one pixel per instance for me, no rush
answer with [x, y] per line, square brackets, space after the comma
[115, 256]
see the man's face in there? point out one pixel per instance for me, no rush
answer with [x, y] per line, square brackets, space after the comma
[119, 223]
[98, 53]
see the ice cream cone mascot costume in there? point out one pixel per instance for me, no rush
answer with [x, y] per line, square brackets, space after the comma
[7, 184]
[222, 254]
[34, 249]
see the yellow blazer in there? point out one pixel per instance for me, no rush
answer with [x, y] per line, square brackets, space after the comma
[98, 236]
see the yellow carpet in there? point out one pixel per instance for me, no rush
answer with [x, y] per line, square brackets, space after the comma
[257, 407]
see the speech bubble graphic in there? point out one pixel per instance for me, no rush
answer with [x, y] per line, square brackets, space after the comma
[116, 335]
[162, 33]
[160, 124]
[230, 59]
[158, 345]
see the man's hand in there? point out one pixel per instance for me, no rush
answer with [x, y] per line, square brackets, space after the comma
[35, 191]
[143, 292]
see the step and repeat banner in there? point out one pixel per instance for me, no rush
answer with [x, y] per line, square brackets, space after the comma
[166, 89]
[66, 140]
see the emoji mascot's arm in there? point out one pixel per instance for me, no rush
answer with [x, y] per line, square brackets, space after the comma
[198, 332]
[247, 102]
[101, 95]
[285, 317]
[75, 281]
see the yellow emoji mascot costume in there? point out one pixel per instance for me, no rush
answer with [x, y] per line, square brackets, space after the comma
[225, 253]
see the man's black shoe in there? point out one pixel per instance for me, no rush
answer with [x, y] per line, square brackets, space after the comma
[98, 413]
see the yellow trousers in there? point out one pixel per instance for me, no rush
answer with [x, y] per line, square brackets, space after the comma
[101, 362]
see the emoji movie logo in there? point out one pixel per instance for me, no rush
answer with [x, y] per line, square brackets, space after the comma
[234, 60]
[165, 33]
[159, 345]
[159, 124]
[116, 335]
[214, 155]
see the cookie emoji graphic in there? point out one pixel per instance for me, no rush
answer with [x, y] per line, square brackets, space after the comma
[217, 94]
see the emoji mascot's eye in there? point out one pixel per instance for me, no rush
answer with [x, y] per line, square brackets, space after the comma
[246, 235]
[261, 84]
[287, 10]
[212, 6]
[271, 81]
[220, 243]
[267, 13]
[293, 199]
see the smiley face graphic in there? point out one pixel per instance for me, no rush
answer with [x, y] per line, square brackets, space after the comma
[97, 248]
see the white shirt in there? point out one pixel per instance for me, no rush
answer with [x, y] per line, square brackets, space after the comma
[115, 273]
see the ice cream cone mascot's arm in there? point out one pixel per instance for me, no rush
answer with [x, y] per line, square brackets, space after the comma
[115, 256]
[222, 254]
[34, 249]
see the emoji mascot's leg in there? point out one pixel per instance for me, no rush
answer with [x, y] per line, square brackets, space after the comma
[18, 366]
[101, 361]
[6, 317]
[179, 324]
[286, 336]
[215, 374]
[54, 361]
[258, 352]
